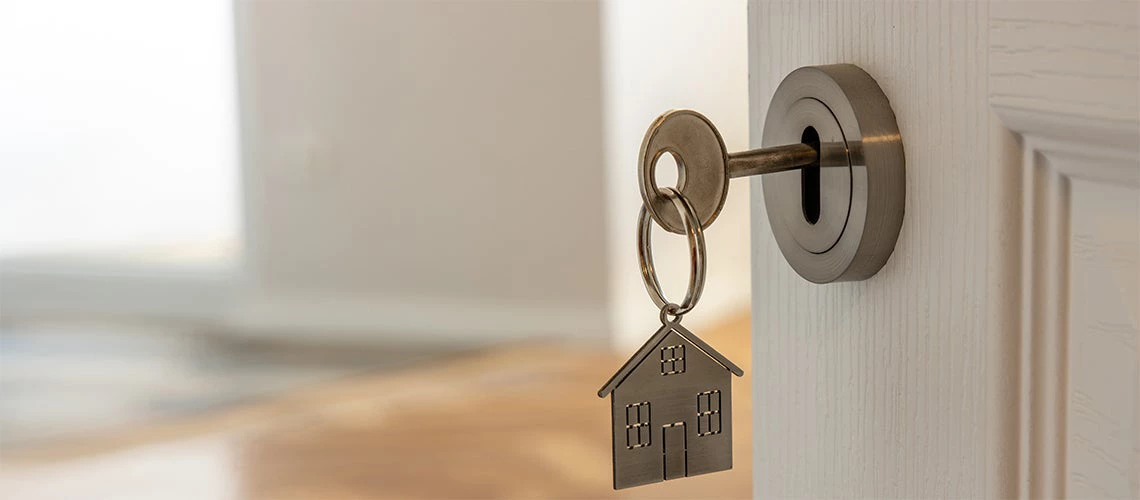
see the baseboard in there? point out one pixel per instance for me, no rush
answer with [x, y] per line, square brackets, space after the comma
[148, 292]
[364, 319]
[211, 298]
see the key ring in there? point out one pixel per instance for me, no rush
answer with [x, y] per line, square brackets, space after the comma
[696, 236]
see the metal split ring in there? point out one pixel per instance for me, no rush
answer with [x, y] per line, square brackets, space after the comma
[692, 225]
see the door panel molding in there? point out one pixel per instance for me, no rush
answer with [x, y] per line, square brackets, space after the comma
[1046, 361]
[1043, 61]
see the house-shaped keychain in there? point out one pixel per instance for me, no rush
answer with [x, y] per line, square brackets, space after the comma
[672, 410]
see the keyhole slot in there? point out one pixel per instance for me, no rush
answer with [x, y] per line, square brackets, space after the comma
[809, 179]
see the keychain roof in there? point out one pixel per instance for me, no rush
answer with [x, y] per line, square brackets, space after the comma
[647, 348]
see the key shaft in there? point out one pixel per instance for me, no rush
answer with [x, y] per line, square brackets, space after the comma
[771, 160]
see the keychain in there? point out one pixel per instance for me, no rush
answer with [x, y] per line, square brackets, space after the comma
[671, 403]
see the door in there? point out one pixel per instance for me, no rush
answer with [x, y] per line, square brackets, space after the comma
[674, 450]
[996, 353]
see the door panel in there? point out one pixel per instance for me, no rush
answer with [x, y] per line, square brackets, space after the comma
[996, 352]
[1101, 415]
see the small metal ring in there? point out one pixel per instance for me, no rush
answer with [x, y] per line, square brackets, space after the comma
[696, 236]
[667, 310]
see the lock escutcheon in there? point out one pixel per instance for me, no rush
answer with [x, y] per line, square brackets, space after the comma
[862, 194]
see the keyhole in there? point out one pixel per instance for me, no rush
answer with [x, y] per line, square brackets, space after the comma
[809, 179]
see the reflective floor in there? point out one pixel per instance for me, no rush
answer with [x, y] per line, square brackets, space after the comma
[515, 422]
[62, 380]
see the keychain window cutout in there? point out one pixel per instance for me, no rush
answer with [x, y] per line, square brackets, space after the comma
[637, 425]
[708, 413]
[673, 359]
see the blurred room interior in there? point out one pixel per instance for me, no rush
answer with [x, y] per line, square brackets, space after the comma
[351, 249]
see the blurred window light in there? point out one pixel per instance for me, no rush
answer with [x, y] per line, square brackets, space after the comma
[118, 126]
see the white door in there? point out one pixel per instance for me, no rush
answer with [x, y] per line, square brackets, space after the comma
[996, 353]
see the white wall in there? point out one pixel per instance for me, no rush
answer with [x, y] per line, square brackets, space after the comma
[453, 170]
[117, 126]
[660, 55]
[118, 159]
[436, 167]
[427, 170]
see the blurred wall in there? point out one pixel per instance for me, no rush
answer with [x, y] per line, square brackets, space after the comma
[443, 170]
[118, 160]
[117, 126]
[661, 55]
[424, 169]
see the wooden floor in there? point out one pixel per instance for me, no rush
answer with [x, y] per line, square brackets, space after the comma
[516, 422]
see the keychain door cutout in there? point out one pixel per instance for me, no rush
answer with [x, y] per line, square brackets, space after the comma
[676, 456]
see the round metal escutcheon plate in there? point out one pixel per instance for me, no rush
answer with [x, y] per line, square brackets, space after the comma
[862, 175]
